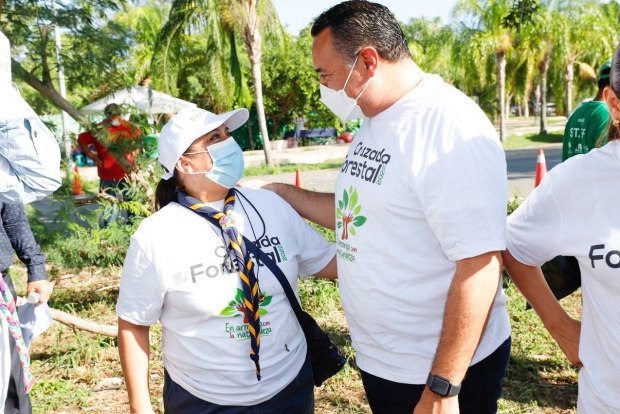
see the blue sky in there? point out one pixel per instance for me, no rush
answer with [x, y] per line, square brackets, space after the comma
[297, 14]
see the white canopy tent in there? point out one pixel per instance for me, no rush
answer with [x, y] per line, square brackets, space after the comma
[141, 97]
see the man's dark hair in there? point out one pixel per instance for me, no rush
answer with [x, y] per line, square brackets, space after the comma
[112, 110]
[356, 24]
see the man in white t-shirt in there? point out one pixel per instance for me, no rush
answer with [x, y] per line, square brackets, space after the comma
[420, 216]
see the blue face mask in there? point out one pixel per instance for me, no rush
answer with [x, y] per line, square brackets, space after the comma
[228, 163]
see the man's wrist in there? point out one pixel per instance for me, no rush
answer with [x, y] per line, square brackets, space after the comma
[442, 386]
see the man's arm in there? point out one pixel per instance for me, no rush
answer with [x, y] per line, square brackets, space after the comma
[15, 223]
[531, 282]
[133, 349]
[468, 306]
[86, 149]
[330, 271]
[314, 206]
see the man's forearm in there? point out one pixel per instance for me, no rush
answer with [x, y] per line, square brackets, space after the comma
[314, 206]
[86, 150]
[471, 295]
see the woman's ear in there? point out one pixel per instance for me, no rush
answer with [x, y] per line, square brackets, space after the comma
[613, 103]
[184, 166]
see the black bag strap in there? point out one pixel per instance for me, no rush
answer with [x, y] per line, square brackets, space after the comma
[273, 267]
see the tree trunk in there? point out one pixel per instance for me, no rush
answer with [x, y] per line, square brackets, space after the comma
[49, 93]
[250, 140]
[501, 77]
[508, 100]
[569, 76]
[544, 69]
[253, 41]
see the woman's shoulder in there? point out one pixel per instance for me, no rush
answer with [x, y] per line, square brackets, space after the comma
[170, 218]
[264, 198]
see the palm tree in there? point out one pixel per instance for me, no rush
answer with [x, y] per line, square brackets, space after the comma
[585, 35]
[144, 23]
[221, 22]
[486, 36]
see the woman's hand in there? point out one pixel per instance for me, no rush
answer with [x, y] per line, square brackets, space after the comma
[567, 336]
[133, 349]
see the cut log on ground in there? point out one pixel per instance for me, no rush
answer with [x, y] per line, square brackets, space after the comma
[82, 324]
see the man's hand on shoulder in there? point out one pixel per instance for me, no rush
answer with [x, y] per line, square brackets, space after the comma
[257, 184]
[431, 403]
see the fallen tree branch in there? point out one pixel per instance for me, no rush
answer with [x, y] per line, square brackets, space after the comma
[82, 324]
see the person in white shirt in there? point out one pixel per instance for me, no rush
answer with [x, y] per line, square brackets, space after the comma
[420, 216]
[572, 213]
[178, 270]
[29, 170]
[29, 153]
[300, 125]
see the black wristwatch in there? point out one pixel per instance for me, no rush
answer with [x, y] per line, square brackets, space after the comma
[441, 386]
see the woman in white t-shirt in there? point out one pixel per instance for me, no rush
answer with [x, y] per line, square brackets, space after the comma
[230, 339]
[573, 213]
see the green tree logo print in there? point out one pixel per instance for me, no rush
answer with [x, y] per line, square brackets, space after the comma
[347, 213]
[237, 307]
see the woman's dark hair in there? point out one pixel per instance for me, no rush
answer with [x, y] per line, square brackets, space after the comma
[356, 24]
[612, 133]
[166, 191]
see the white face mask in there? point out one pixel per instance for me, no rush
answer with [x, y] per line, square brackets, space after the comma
[116, 123]
[339, 102]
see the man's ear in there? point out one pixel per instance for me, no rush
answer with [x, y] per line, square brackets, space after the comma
[613, 103]
[370, 59]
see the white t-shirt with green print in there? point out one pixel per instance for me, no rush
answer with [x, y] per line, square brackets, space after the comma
[172, 273]
[423, 186]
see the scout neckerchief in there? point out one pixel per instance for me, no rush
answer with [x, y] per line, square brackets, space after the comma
[244, 262]
[9, 311]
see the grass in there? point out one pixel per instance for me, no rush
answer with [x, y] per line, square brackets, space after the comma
[70, 366]
[286, 168]
[532, 140]
[89, 187]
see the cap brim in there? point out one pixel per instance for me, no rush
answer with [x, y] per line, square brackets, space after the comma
[234, 119]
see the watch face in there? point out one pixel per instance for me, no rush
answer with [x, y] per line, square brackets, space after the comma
[440, 386]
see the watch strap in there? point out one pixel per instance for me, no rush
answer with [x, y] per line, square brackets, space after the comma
[442, 386]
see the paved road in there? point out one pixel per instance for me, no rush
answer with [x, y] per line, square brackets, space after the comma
[521, 176]
[521, 166]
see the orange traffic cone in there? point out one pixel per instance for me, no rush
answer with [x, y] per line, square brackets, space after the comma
[541, 167]
[298, 181]
[78, 187]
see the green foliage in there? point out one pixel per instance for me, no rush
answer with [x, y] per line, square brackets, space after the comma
[76, 238]
[293, 86]
[520, 11]
[94, 47]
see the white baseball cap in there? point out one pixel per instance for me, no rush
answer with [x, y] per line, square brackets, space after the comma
[187, 126]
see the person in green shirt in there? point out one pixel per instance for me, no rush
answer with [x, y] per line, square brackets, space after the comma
[588, 122]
